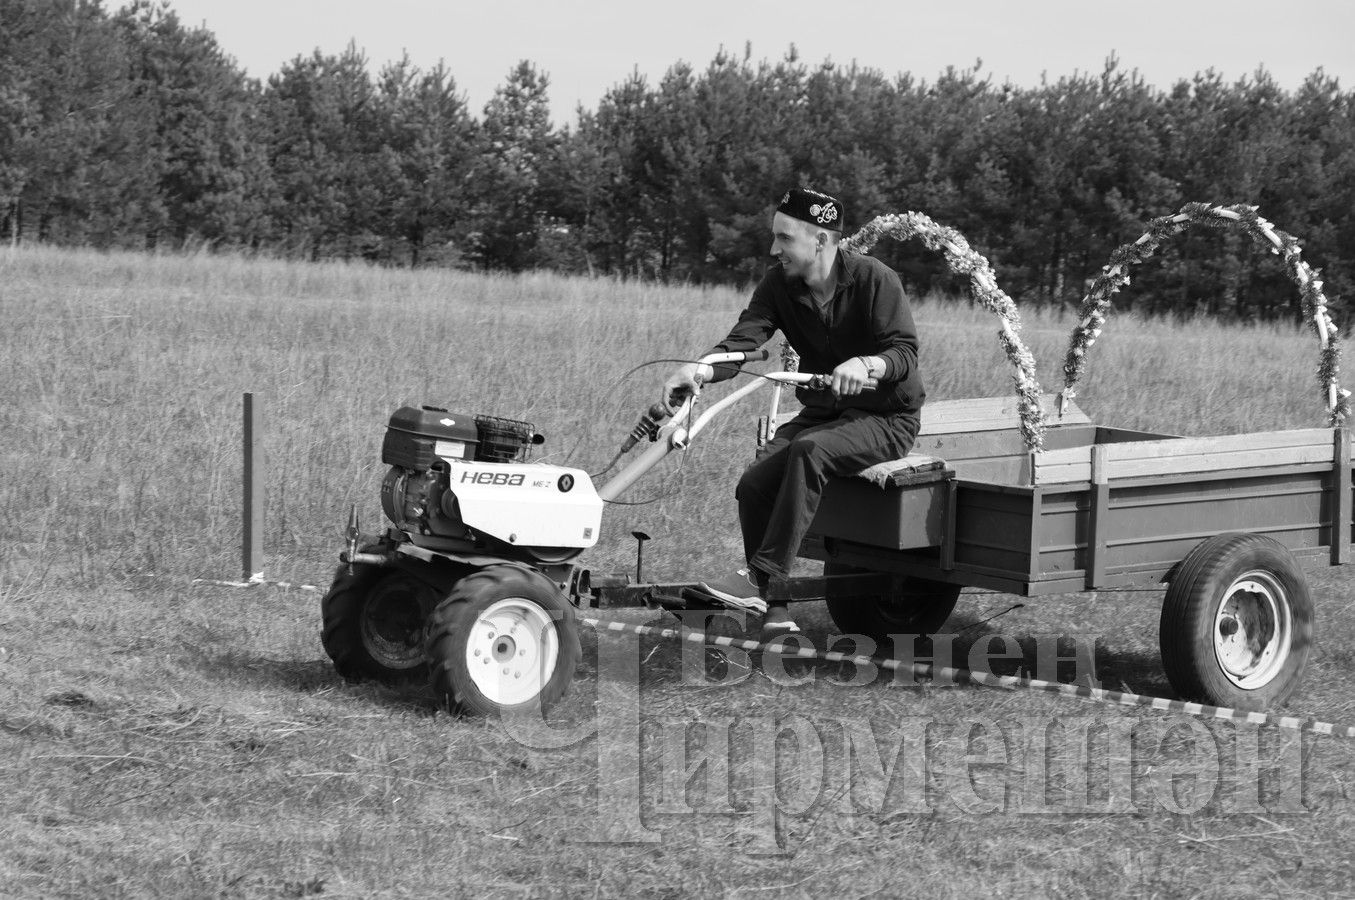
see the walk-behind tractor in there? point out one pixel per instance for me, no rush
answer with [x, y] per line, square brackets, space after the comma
[475, 584]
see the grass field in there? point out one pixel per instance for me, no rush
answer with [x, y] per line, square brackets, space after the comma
[163, 738]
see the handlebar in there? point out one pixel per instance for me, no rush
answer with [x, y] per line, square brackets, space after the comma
[738, 356]
[815, 382]
[683, 425]
[803, 379]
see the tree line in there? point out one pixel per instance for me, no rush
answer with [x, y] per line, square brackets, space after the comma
[129, 129]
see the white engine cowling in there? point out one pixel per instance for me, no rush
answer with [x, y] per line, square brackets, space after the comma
[527, 504]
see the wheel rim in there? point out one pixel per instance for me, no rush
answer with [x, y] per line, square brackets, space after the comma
[392, 624]
[1253, 628]
[512, 651]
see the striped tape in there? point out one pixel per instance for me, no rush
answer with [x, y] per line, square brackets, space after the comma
[1008, 682]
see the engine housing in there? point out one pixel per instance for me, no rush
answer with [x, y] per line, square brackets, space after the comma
[463, 482]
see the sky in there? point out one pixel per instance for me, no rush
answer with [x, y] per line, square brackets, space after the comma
[589, 46]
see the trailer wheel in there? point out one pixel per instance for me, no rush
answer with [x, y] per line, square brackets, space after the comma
[1237, 623]
[373, 625]
[504, 640]
[911, 606]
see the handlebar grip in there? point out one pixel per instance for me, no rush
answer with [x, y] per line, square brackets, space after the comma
[820, 383]
[757, 355]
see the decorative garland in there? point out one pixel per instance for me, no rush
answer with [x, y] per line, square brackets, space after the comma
[1092, 313]
[963, 260]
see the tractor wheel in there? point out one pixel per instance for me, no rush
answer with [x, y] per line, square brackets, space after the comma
[504, 640]
[911, 606]
[1237, 623]
[373, 625]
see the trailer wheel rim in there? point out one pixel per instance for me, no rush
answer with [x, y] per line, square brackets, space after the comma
[512, 651]
[1253, 630]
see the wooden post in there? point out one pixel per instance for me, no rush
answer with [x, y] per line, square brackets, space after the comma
[1341, 499]
[1097, 519]
[252, 545]
[1036, 513]
[948, 532]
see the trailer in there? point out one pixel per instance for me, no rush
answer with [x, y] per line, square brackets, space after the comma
[1225, 522]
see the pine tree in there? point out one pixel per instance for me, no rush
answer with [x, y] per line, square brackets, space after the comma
[516, 151]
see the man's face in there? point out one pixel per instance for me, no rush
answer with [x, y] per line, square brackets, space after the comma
[796, 244]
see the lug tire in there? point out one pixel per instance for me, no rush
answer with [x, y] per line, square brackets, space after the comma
[1237, 623]
[504, 640]
[913, 606]
[373, 625]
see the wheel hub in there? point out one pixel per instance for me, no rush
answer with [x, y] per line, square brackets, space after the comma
[512, 651]
[505, 648]
[1253, 629]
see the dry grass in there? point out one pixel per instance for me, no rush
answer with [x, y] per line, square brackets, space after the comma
[162, 739]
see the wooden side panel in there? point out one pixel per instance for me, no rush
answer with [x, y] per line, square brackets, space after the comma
[1259, 440]
[1157, 524]
[1013, 470]
[993, 529]
[981, 439]
[899, 518]
[1064, 524]
[988, 414]
[1180, 456]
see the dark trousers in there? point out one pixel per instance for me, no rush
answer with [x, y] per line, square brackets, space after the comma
[779, 492]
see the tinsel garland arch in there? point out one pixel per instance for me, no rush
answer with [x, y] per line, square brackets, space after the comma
[1092, 313]
[963, 260]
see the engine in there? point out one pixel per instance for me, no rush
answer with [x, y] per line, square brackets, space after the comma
[461, 482]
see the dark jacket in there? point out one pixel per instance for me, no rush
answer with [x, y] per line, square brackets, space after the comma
[868, 315]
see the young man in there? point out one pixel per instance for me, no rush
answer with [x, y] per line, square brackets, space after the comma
[845, 315]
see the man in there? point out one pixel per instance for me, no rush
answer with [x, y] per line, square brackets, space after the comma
[845, 315]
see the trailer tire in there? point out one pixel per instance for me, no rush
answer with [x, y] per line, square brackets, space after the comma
[496, 626]
[373, 625]
[913, 606]
[1237, 623]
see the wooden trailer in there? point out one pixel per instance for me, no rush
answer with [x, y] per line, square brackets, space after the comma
[1227, 522]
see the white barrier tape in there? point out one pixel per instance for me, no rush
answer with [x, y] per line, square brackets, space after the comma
[253, 582]
[1009, 682]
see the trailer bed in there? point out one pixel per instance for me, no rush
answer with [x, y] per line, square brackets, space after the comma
[1100, 507]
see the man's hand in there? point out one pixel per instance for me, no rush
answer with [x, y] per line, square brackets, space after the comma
[849, 378]
[685, 382]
